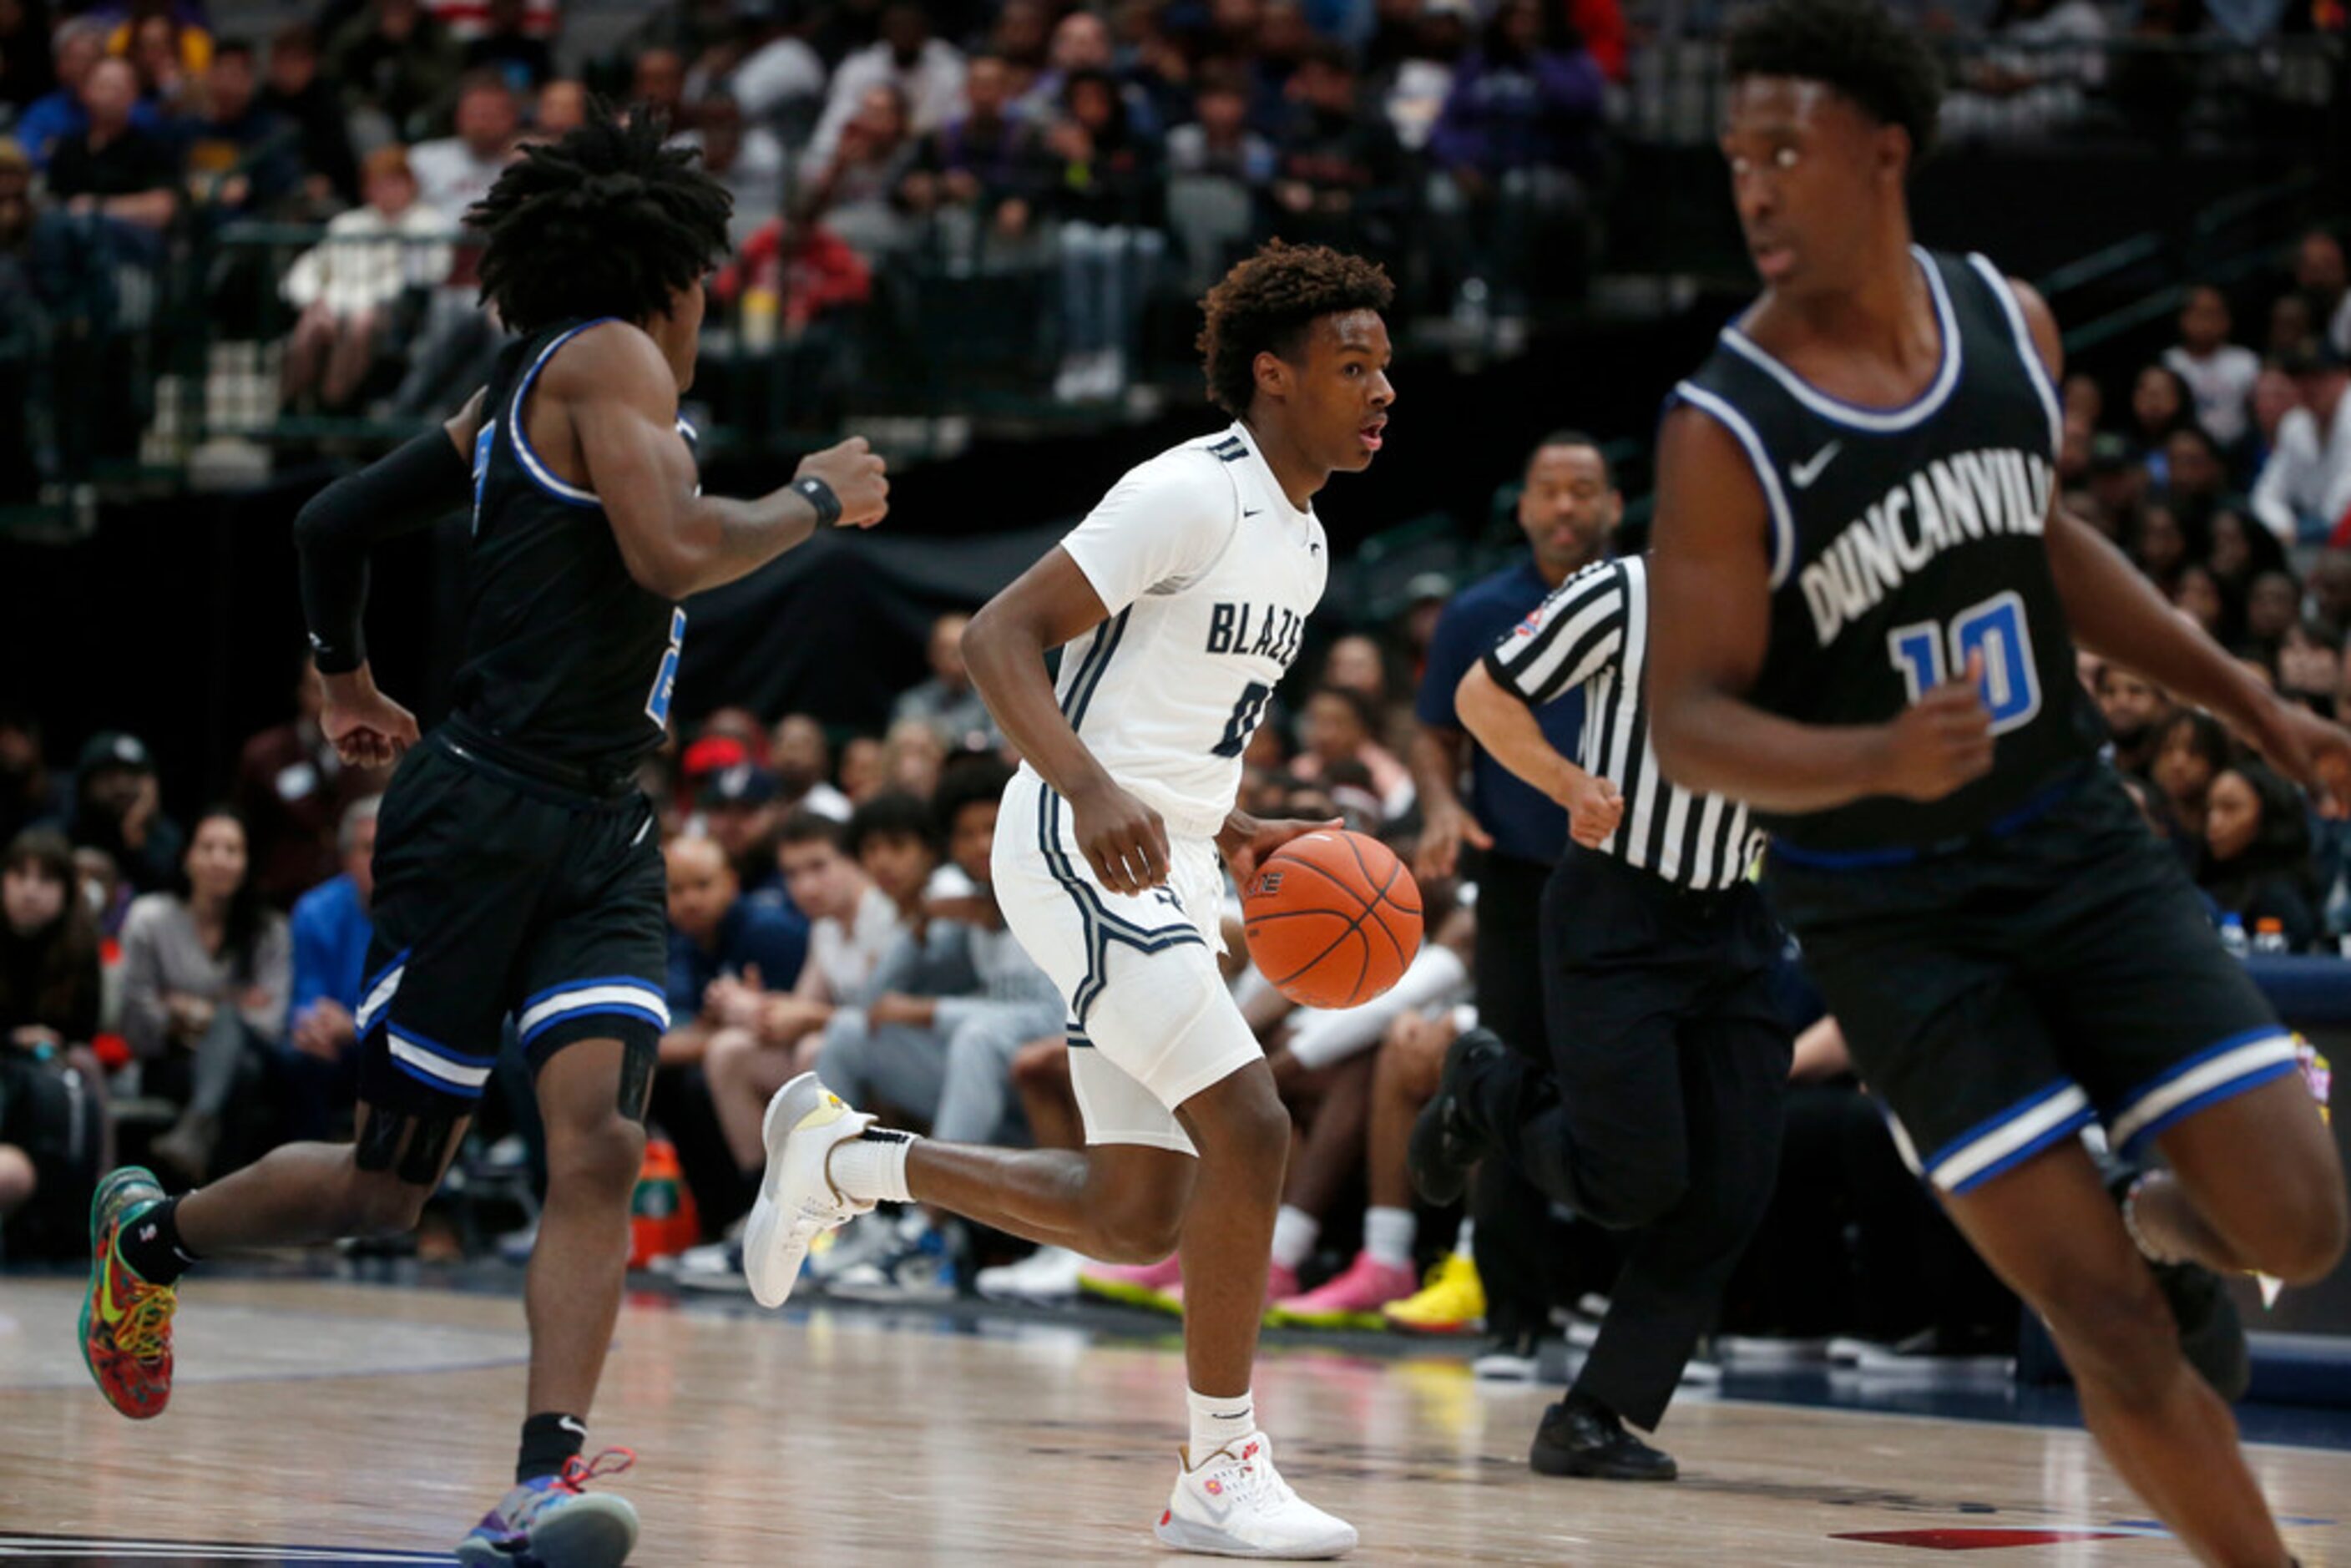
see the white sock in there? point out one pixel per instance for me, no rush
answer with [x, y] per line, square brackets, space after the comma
[871, 1166]
[1217, 1421]
[1388, 1236]
[1294, 1232]
[1463, 1237]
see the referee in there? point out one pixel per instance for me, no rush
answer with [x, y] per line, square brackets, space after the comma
[1660, 1114]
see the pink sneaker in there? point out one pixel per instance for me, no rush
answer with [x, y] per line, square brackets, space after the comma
[1157, 1286]
[1279, 1282]
[1350, 1300]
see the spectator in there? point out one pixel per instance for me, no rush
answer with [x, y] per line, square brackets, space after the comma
[738, 813]
[456, 344]
[54, 1134]
[2304, 488]
[2197, 593]
[50, 986]
[1217, 173]
[2190, 751]
[2273, 609]
[396, 59]
[166, 40]
[2275, 395]
[455, 172]
[508, 47]
[2319, 276]
[2136, 710]
[2159, 404]
[764, 1037]
[561, 107]
[1343, 726]
[947, 701]
[331, 927]
[2160, 548]
[31, 794]
[802, 759]
[2220, 374]
[1081, 42]
[926, 73]
[2310, 666]
[295, 92]
[239, 155]
[207, 968]
[746, 159]
[1414, 90]
[2196, 482]
[1108, 194]
[347, 288]
[2257, 862]
[114, 169]
[1023, 37]
[951, 1006]
[863, 773]
[658, 82]
[1339, 171]
[855, 193]
[1519, 134]
[291, 791]
[797, 272]
[2292, 330]
[59, 115]
[978, 174]
[714, 933]
[118, 810]
[2025, 92]
[2330, 591]
[912, 757]
[782, 79]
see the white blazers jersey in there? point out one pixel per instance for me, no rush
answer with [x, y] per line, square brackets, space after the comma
[1209, 574]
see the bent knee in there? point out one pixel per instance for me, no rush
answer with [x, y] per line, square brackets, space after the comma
[379, 1204]
[607, 1152]
[2114, 1328]
[1136, 1225]
[2306, 1233]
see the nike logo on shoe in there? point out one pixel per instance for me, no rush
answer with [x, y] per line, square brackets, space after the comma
[574, 1427]
[1802, 473]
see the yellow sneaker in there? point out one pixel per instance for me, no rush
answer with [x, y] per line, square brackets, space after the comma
[1452, 1301]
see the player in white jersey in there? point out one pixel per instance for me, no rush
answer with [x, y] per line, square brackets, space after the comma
[1178, 604]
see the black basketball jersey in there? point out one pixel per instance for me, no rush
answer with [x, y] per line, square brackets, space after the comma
[1906, 540]
[567, 657]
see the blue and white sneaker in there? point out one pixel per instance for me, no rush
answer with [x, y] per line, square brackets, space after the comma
[550, 1523]
[920, 1267]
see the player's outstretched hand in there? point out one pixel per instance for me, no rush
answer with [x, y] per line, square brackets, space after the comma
[366, 729]
[858, 476]
[1122, 839]
[1594, 807]
[2313, 752]
[1942, 741]
[1246, 841]
[1449, 826]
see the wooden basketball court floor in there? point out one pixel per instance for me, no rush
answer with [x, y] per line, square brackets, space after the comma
[334, 1422]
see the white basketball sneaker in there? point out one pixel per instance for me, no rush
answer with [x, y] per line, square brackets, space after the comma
[797, 1199]
[1234, 1504]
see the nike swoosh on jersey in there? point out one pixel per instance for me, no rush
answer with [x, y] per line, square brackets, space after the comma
[1805, 473]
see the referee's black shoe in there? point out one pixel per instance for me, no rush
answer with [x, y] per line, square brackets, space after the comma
[1447, 1139]
[2211, 1333]
[1584, 1437]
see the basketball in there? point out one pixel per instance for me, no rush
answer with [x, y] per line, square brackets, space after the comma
[1333, 919]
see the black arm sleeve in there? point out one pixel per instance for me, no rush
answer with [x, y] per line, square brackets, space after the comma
[414, 486]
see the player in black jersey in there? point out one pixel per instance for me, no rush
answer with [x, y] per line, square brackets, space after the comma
[518, 870]
[1866, 608]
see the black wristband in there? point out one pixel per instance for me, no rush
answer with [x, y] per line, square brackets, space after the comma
[818, 494]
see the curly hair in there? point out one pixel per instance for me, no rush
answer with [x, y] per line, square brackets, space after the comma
[1267, 303]
[1855, 47]
[605, 222]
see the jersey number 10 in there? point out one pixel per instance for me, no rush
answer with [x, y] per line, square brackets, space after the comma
[1995, 629]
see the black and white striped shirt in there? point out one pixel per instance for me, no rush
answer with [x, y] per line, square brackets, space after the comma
[1594, 631]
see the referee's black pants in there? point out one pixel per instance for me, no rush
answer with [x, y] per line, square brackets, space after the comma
[1521, 1250]
[1661, 1112]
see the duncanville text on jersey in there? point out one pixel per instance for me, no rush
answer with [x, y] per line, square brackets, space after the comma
[1967, 495]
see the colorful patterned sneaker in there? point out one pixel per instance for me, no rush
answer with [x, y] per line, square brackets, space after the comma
[1452, 1301]
[126, 1322]
[1136, 1284]
[1234, 1504]
[1351, 1299]
[550, 1523]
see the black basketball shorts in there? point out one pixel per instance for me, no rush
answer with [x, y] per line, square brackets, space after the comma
[499, 895]
[2001, 996]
